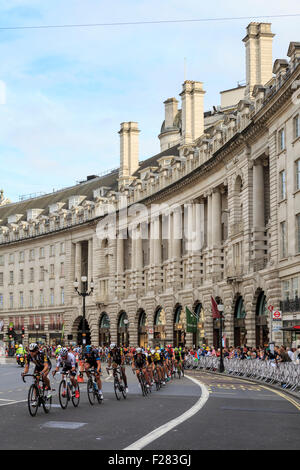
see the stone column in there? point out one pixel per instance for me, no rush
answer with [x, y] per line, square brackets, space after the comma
[258, 209]
[78, 261]
[216, 218]
[90, 261]
[120, 263]
[139, 258]
[156, 246]
[216, 234]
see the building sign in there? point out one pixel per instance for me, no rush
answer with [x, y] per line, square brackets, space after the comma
[277, 315]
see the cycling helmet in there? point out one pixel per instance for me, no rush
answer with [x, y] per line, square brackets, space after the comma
[63, 351]
[152, 351]
[33, 347]
[113, 345]
[138, 350]
[88, 349]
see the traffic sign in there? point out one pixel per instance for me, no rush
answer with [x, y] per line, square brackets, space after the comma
[270, 308]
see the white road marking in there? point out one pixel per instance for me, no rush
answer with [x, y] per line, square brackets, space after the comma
[12, 402]
[152, 436]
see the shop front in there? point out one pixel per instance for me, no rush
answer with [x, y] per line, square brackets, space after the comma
[160, 328]
[123, 333]
[179, 332]
[143, 330]
[261, 321]
[239, 323]
[104, 330]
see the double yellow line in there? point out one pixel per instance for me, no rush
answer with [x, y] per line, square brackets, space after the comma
[291, 400]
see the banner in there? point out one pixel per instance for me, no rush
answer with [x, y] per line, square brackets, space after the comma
[191, 321]
[214, 308]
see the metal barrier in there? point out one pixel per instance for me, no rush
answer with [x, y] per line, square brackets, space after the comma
[284, 374]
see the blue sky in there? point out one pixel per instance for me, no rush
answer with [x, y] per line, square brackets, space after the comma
[68, 90]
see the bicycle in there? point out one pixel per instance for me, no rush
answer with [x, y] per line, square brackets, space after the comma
[156, 378]
[143, 383]
[66, 391]
[37, 395]
[119, 386]
[92, 388]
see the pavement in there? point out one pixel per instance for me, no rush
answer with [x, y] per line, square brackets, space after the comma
[237, 415]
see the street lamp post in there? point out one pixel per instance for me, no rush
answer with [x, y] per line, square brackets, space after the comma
[126, 321]
[221, 310]
[83, 294]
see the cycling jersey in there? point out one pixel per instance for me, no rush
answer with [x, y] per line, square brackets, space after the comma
[116, 355]
[140, 360]
[177, 355]
[68, 361]
[92, 358]
[39, 360]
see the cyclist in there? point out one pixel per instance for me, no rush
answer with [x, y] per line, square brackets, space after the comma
[139, 362]
[158, 365]
[116, 358]
[178, 359]
[42, 365]
[163, 362]
[92, 359]
[151, 364]
[67, 361]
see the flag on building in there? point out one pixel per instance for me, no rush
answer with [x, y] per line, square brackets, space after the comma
[191, 321]
[214, 308]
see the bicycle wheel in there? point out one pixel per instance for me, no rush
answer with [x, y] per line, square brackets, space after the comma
[47, 402]
[91, 391]
[123, 390]
[63, 394]
[156, 380]
[75, 400]
[33, 399]
[117, 388]
[144, 387]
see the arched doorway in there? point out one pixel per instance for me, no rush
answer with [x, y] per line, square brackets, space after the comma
[160, 327]
[87, 332]
[123, 334]
[179, 327]
[239, 323]
[104, 330]
[199, 337]
[142, 330]
[261, 321]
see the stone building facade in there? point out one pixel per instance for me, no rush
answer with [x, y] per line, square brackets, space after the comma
[230, 177]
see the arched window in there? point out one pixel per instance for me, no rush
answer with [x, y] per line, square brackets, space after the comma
[240, 312]
[104, 322]
[160, 317]
[261, 307]
[122, 317]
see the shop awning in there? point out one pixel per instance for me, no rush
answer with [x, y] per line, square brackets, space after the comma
[295, 328]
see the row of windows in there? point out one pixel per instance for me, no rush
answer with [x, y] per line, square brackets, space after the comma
[284, 239]
[282, 180]
[31, 274]
[32, 254]
[282, 133]
[31, 298]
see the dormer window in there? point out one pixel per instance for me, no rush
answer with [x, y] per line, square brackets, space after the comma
[74, 201]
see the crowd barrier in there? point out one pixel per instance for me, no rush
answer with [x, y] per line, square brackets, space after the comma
[284, 374]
